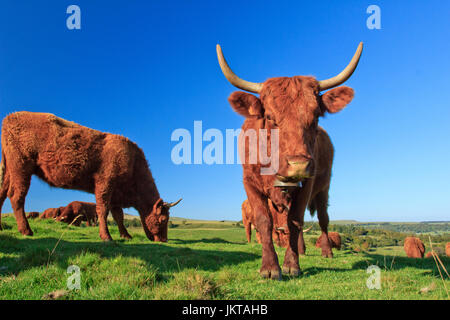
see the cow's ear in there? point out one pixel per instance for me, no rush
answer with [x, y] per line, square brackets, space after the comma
[157, 206]
[336, 99]
[246, 104]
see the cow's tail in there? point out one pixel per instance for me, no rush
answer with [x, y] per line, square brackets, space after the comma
[312, 208]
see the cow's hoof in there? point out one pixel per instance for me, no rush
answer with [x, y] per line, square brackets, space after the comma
[271, 274]
[327, 254]
[126, 236]
[293, 272]
[106, 239]
[26, 232]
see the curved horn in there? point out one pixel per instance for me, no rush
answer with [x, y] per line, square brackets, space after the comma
[173, 204]
[308, 229]
[345, 74]
[234, 79]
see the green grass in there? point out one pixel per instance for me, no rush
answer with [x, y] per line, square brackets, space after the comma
[202, 260]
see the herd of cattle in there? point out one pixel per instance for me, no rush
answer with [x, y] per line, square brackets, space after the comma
[74, 213]
[113, 168]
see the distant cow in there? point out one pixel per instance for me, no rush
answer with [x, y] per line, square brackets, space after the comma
[414, 247]
[334, 238]
[291, 108]
[78, 211]
[447, 249]
[51, 213]
[32, 215]
[67, 155]
[279, 224]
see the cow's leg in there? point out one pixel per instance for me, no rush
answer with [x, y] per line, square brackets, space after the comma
[321, 201]
[258, 236]
[3, 195]
[301, 243]
[270, 267]
[276, 238]
[117, 213]
[19, 185]
[248, 231]
[103, 199]
[296, 214]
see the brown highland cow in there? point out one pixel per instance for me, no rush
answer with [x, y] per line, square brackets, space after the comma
[414, 247]
[78, 211]
[67, 155]
[334, 238]
[305, 153]
[447, 249]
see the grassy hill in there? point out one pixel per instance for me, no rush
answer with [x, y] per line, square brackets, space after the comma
[202, 260]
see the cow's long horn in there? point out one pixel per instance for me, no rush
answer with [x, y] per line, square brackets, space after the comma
[307, 229]
[173, 204]
[234, 79]
[345, 74]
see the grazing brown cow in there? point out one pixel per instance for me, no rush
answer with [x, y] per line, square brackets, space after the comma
[334, 238]
[447, 249]
[279, 224]
[51, 213]
[78, 211]
[293, 106]
[32, 215]
[67, 155]
[414, 247]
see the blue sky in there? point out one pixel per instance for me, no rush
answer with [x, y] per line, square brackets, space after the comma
[145, 68]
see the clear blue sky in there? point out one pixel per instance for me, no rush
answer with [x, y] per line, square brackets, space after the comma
[145, 68]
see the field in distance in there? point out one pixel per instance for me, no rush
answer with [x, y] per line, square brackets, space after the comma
[208, 260]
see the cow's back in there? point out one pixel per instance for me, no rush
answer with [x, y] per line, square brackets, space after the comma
[63, 153]
[414, 247]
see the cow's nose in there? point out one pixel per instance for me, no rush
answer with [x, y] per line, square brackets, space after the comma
[300, 167]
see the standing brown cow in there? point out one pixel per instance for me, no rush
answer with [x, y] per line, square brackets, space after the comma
[78, 211]
[414, 247]
[293, 106]
[67, 155]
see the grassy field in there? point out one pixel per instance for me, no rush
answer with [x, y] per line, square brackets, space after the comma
[202, 260]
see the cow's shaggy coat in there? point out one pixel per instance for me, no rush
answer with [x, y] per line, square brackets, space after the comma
[67, 155]
[414, 247]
